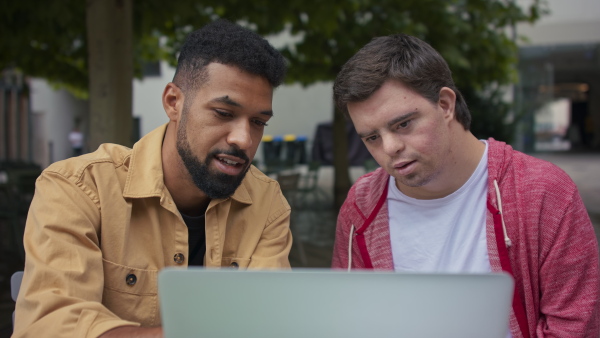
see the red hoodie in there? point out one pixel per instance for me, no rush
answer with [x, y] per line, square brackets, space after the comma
[543, 236]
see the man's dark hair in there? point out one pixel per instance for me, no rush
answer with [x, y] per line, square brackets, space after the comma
[399, 57]
[227, 43]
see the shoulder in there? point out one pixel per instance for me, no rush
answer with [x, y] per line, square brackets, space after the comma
[108, 157]
[537, 169]
[507, 164]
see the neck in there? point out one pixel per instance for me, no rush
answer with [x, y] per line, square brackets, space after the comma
[187, 197]
[464, 157]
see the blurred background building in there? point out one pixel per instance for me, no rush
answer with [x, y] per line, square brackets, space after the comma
[559, 69]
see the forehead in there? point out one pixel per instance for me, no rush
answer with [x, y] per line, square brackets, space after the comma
[236, 84]
[392, 97]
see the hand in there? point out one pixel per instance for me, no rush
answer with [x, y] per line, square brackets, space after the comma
[134, 332]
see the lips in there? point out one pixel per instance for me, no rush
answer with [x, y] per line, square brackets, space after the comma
[405, 167]
[229, 165]
[229, 161]
[403, 164]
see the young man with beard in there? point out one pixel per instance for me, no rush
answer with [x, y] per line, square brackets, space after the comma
[102, 225]
[444, 201]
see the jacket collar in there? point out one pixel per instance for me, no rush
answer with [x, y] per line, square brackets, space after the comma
[368, 191]
[499, 158]
[145, 174]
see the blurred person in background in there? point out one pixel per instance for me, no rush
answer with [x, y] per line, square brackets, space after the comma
[102, 225]
[76, 140]
[445, 201]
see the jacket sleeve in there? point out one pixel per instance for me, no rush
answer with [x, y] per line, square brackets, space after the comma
[274, 246]
[569, 274]
[62, 287]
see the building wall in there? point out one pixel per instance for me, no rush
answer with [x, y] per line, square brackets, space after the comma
[568, 42]
[53, 114]
[147, 99]
[573, 21]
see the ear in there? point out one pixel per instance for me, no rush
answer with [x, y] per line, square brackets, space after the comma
[447, 102]
[172, 100]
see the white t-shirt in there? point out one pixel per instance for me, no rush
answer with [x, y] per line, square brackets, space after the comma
[441, 235]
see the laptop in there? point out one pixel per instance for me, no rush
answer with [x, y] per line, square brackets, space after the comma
[310, 303]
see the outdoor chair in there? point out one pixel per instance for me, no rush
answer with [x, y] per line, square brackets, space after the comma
[15, 285]
[289, 187]
[310, 195]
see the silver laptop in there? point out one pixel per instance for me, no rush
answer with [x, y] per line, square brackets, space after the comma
[313, 303]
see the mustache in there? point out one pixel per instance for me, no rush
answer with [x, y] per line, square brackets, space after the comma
[231, 152]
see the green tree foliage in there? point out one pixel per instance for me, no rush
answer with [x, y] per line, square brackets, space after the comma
[47, 39]
[474, 36]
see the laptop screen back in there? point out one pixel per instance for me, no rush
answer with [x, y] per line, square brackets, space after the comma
[323, 303]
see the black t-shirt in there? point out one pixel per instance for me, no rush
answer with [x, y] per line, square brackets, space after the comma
[196, 239]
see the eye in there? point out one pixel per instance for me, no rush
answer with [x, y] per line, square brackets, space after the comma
[223, 113]
[371, 138]
[404, 125]
[260, 123]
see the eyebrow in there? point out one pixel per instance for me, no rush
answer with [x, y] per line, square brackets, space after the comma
[228, 101]
[390, 123]
[225, 99]
[400, 118]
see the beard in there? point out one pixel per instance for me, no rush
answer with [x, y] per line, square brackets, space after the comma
[214, 184]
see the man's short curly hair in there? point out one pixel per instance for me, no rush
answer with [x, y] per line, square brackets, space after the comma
[227, 43]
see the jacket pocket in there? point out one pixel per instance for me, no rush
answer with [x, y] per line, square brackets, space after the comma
[234, 262]
[131, 293]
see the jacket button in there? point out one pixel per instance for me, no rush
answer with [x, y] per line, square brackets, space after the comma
[234, 265]
[179, 258]
[131, 279]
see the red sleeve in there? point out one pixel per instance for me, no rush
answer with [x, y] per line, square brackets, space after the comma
[569, 273]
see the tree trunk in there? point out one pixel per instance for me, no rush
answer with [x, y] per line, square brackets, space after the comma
[110, 57]
[340, 159]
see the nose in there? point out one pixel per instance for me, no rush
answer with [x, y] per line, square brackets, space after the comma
[240, 135]
[392, 144]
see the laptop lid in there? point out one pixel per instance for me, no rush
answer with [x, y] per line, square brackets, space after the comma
[324, 303]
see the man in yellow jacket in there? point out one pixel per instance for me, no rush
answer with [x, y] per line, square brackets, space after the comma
[102, 225]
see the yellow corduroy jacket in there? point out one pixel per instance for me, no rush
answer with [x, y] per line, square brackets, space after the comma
[102, 225]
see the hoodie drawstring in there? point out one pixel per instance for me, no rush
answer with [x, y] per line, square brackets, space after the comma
[506, 238]
[350, 247]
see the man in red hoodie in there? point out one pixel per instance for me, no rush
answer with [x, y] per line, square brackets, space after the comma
[445, 201]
